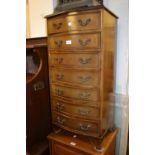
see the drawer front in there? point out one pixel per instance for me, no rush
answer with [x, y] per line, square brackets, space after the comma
[84, 78]
[78, 102]
[75, 124]
[75, 93]
[74, 22]
[60, 149]
[80, 111]
[75, 41]
[74, 60]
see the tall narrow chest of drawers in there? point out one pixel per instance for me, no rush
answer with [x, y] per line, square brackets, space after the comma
[81, 45]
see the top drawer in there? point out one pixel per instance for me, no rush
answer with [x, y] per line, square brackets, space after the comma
[89, 21]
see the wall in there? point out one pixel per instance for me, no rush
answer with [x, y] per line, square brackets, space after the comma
[27, 20]
[37, 10]
[120, 8]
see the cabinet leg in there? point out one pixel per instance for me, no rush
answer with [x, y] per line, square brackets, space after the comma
[97, 142]
[98, 145]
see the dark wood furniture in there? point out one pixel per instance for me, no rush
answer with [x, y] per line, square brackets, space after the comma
[81, 49]
[64, 143]
[33, 42]
[38, 114]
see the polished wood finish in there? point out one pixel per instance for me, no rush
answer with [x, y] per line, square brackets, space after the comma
[81, 126]
[81, 47]
[38, 114]
[62, 150]
[71, 60]
[34, 42]
[74, 41]
[77, 22]
[82, 94]
[84, 112]
[82, 77]
[83, 103]
[64, 143]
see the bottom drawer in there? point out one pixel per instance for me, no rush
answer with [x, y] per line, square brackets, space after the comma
[76, 125]
[60, 149]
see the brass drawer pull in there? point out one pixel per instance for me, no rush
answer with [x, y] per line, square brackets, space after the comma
[84, 23]
[59, 60]
[61, 121]
[84, 61]
[59, 92]
[84, 43]
[84, 113]
[84, 79]
[59, 76]
[84, 96]
[58, 43]
[84, 127]
[59, 106]
[57, 26]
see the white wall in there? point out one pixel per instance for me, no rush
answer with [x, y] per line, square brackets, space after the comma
[120, 8]
[37, 10]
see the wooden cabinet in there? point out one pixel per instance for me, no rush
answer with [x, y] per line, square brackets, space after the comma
[37, 97]
[81, 49]
[64, 143]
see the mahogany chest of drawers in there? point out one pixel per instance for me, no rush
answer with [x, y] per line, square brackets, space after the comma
[81, 47]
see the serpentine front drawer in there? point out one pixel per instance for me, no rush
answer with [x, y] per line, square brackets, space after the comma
[75, 124]
[75, 93]
[70, 22]
[72, 109]
[75, 60]
[74, 41]
[73, 77]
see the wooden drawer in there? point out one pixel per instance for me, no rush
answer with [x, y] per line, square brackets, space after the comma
[74, 41]
[60, 149]
[74, 60]
[94, 104]
[75, 93]
[74, 77]
[89, 21]
[74, 124]
[80, 111]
